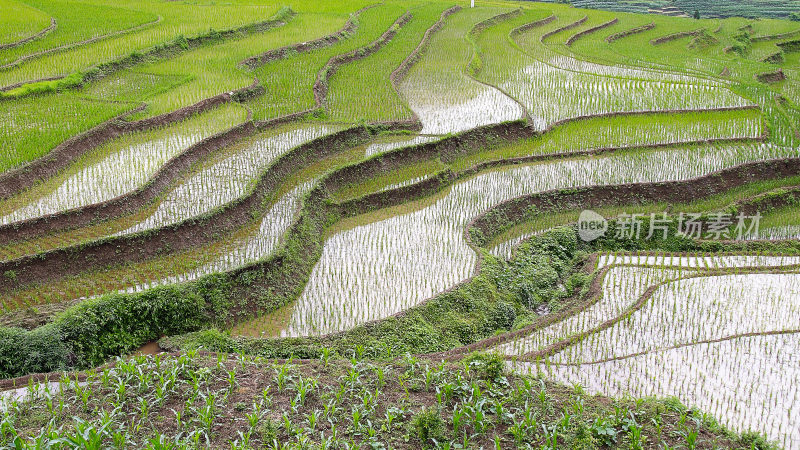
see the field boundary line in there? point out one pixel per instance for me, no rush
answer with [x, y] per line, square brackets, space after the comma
[583, 33]
[631, 32]
[72, 45]
[38, 35]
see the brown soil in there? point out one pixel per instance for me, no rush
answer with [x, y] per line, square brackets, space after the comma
[529, 26]
[640, 193]
[564, 28]
[771, 77]
[631, 32]
[192, 233]
[589, 31]
[349, 28]
[676, 36]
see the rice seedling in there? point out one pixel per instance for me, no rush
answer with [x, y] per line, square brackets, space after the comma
[680, 371]
[21, 22]
[228, 177]
[178, 19]
[554, 88]
[346, 101]
[440, 93]
[76, 25]
[626, 131]
[618, 97]
[291, 79]
[214, 69]
[375, 269]
[31, 127]
[96, 177]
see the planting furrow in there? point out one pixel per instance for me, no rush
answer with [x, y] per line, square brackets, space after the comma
[528, 38]
[162, 50]
[589, 31]
[697, 309]
[674, 323]
[558, 87]
[300, 82]
[60, 48]
[368, 271]
[98, 180]
[16, 181]
[439, 92]
[192, 233]
[229, 176]
[349, 28]
[380, 74]
[33, 37]
[282, 274]
[752, 390]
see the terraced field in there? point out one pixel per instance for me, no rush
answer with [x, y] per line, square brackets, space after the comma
[603, 199]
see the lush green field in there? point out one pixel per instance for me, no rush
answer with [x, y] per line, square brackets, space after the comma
[379, 190]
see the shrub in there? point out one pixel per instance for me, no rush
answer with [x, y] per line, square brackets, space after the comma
[427, 425]
[489, 366]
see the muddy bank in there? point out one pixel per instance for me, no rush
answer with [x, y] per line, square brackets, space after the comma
[321, 84]
[529, 26]
[631, 32]
[583, 33]
[15, 181]
[575, 24]
[516, 210]
[127, 203]
[60, 263]
[676, 36]
[349, 28]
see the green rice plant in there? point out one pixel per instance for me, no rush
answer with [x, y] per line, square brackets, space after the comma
[96, 177]
[214, 69]
[347, 95]
[31, 127]
[291, 80]
[20, 22]
[178, 19]
[626, 131]
[441, 94]
[555, 87]
[77, 23]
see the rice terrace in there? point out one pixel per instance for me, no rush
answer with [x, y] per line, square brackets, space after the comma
[318, 224]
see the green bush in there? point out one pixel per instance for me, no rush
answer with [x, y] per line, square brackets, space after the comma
[489, 366]
[41, 350]
[427, 425]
